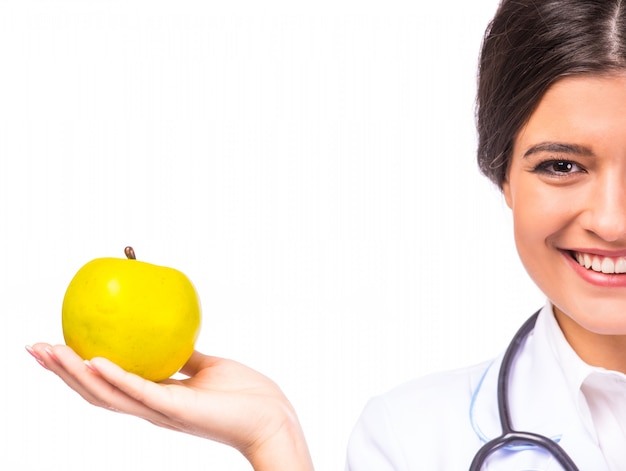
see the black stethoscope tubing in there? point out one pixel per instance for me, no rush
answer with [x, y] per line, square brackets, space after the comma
[510, 436]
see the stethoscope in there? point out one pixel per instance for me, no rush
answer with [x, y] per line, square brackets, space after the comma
[510, 436]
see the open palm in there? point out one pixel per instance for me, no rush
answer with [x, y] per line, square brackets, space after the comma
[221, 399]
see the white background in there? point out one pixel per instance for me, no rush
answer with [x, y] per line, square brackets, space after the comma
[310, 167]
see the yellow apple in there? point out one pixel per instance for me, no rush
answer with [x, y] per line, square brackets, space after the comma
[144, 317]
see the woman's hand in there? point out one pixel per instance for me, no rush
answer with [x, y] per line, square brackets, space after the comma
[221, 400]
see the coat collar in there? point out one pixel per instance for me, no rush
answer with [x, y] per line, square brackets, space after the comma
[540, 402]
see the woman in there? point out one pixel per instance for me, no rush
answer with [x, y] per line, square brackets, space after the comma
[552, 136]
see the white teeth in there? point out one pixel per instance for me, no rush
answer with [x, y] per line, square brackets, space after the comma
[608, 266]
[602, 264]
[596, 265]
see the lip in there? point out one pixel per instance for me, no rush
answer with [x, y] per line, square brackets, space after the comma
[598, 252]
[605, 280]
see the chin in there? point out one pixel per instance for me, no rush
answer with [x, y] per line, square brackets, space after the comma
[599, 318]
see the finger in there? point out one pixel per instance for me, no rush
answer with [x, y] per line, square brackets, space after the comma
[66, 369]
[107, 395]
[159, 398]
[95, 389]
[36, 355]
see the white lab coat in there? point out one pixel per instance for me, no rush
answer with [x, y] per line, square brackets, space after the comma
[434, 423]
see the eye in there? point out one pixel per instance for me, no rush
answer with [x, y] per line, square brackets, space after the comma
[558, 167]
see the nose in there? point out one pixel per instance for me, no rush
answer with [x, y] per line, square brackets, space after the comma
[605, 215]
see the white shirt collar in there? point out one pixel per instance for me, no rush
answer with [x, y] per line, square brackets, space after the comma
[599, 394]
[575, 370]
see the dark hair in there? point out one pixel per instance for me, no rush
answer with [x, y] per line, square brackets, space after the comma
[528, 46]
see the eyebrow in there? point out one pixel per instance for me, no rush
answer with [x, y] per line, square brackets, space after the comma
[561, 148]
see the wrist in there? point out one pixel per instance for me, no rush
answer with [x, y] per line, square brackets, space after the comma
[284, 448]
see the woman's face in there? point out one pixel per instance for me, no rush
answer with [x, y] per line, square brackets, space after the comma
[566, 186]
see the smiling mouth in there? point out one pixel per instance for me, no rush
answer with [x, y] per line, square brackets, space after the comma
[600, 264]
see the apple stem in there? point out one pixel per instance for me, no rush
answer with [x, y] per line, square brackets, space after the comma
[130, 253]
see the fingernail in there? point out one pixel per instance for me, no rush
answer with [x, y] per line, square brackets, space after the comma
[90, 366]
[34, 354]
[51, 354]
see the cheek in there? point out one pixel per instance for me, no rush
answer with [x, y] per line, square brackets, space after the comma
[540, 219]
[530, 232]
[535, 235]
